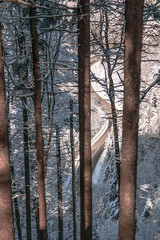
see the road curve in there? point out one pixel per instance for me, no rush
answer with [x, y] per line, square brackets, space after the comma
[98, 143]
[98, 146]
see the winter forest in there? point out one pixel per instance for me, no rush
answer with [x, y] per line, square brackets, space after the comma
[79, 119]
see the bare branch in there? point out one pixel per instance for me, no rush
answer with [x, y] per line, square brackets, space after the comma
[17, 1]
[149, 88]
[120, 78]
[25, 105]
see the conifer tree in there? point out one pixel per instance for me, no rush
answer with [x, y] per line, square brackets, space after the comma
[38, 122]
[128, 169]
[84, 118]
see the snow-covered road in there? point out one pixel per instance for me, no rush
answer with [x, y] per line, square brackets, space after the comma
[98, 141]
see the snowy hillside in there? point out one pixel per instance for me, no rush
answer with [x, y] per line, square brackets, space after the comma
[58, 61]
[148, 181]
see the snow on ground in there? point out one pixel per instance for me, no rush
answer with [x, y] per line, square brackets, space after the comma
[98, 70]
[148, 181]
[100, 167]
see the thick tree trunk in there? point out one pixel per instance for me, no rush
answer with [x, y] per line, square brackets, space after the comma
[84, 118]
[38, 122]
[128, 170]
[73, 173]
[59, 180]
[6, 215]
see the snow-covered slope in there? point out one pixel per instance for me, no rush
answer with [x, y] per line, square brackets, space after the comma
[148, 181]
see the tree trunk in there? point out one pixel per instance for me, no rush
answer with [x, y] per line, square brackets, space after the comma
[6, 214]
[27, 171]
[128, 170]
[111, 95]
[73, 173]
[84, 118]
[26, 150]
[59, 179]
[38, 122]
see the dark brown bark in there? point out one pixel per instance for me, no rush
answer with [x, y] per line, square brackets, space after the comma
[128, 170]
[59, 180]
[38, 122]
[73, 173]
[84, 118]
[6, 215]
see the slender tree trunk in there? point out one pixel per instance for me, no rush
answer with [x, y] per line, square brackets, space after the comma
[84, 118]
[6, 214]
[116, 139]
[111, 94]
[128, 170]
[27, 171]
[38, 122]
[73, 173]
[59, 178]
[26, 150]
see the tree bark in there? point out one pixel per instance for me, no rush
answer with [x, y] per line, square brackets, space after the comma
[26, 149]
[128, 169]
[38, 122]
[27, 171]
[73, 173]
[59, 179]
[6, 214]
[84, 118]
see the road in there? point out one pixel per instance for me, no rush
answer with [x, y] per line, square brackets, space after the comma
[98, 145]
[98, 142]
